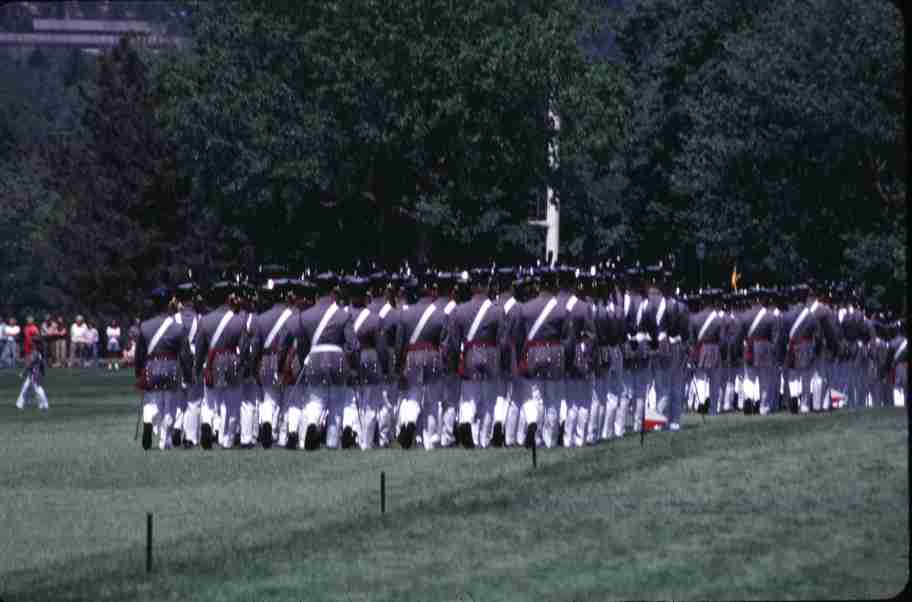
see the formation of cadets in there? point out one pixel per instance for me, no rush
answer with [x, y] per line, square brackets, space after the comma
[550, 356]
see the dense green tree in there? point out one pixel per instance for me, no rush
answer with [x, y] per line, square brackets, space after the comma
[767, 130]
[304, 122]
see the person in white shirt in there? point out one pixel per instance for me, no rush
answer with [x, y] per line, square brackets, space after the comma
[112, 333]
[10, 351]
[92, 340]
[79, 339]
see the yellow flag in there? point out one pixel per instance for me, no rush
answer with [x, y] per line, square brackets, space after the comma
[735, 277]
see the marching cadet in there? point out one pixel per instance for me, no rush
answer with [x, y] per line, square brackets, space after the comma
[371, 365]
[268, 330]
[381, 305]
[826, 346]
[579, 384]
[450, 400]
[637, 351]
[658, 323]
[421, 349]
[251, 394]
[544, 338]
[706, 331]
[879, 354]
[221, 337]
[186, 420]
[851, 325]
[611, 338]
[35, 367]
[475, 337]
[162, 359]
[505, 408]
[325, 349]
[302, 296]
[899, 365]
[730, 357]
[757, 335]
[678, 333]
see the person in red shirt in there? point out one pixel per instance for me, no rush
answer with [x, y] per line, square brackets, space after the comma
[31, 330]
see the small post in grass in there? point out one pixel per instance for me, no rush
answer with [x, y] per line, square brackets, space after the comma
[382, 492]
[534, 459]
[148, 542]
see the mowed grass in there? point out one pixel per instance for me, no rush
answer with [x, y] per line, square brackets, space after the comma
[778, 507]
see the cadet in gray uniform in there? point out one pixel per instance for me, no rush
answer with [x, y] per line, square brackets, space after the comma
[678, 336]
[899, 364]
[544, 338]
[757, 333]
[581, 368]
[656, 318]
[251, 394]
[449, 408]
[186, 420]
[637, 351]
[706, 357]
[505, 409]
[828, 344]
[421, 349]
[371, 365]
[268, 331]
[381, 305]
[475, 338]
[220, 339]
[611, 333]
[162, 360]
[326, 350]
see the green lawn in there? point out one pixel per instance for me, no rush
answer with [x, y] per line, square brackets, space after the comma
[752, 507]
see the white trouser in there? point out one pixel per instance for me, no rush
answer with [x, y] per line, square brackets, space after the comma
[422, 405]
[542, 406]
[449, 410]
[710, 385]
[248, 410]
[596, 410]
[351, 416]
[271, 406]
[158, 410]
[661, 385]
[640, 380]
[30, 385]
[617, 401]
[192, 407]
[760, 385]
[798, 384]
[325, 404]
[576, 421]
[514, 424]
[374, 415]
[230, 400]
[476, 408]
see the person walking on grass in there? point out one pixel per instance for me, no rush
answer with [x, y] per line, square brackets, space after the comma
[36, 363]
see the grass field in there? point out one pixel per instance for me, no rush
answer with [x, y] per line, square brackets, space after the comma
[778, 507]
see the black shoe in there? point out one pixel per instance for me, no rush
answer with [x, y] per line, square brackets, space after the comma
[206, 436]
[497, 438]
[407, 435]
[292, 441]
[323, 437]
[467, 441]
[266, 435]
[188, 444]
[560, 435]
[236, 442]
[176, 438]
[793, 405]
[147, 435]
[311, 438]
[748, 408]
[531, 429]
[377, 436]
[348, 438]
[703, 407]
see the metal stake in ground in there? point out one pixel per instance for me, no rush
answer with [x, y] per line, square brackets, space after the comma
[534, 460]
[148, 542]
[382, 493]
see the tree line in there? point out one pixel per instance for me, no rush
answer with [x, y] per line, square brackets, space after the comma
[328, 133]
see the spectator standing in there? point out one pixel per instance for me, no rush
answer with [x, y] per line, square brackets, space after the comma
[112, 333]
[10, 351]
[92, 340]
[59, 335]
[79, 339]
[134, 329]
[3, 344]
[129, 354]
[31, 331]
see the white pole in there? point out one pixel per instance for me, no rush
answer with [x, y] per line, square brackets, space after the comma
[552, 218]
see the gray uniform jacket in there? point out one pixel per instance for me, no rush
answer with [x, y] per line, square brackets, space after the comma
[371, 364]
[328, 359]
[509, 358]
[544, 354]
[428, 357]
[705, 352]
[758, 345]
[610, 336]
[479, 359]
[582, 321]
[162, 369]
[223, 360]
[265, 361]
